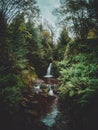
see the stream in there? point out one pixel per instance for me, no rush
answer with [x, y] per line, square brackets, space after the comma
[49, 118]
[54, 119]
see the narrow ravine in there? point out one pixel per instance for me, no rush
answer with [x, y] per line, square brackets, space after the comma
[46, 99]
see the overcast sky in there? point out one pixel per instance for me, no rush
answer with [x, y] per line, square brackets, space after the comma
[46, 7]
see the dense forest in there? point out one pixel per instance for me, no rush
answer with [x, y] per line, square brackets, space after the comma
[27, 47]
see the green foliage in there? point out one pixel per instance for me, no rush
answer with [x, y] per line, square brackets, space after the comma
[7, 80]
[78, 17]
[78, 76]
[10, 80]
[12, 8]
[59, 49]
[10, 87]
[18, 35]
[11, 94]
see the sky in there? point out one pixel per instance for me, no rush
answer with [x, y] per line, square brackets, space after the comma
[46, 8]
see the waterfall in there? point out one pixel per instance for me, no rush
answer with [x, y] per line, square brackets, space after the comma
[48, 74]
[49, 119]
[49, 69]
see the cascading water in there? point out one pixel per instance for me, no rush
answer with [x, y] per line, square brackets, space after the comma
[48, 74]
[49, 118]
[49, 69]
[50, 91]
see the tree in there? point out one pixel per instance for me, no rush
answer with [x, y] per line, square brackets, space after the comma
[4, 50]
[60, 48]
[13, 35]
[92, 8]
[74, 14]
[93, 13]
[64, 37]
[18, 35]
[33, 46]
[10, 8]
[51, 29]
[46, 39]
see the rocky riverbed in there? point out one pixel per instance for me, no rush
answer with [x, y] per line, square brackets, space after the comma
[41, 105]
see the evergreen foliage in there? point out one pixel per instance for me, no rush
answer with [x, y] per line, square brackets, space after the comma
[79, 78]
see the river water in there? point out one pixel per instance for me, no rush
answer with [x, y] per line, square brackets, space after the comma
[54, 119]
[49, 118]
